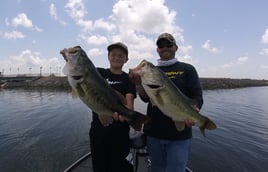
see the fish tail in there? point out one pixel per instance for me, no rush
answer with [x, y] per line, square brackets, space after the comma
[139, 120]
[208, 124]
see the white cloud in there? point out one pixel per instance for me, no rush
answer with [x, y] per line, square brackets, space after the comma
[137, 21]
[96, 40]
[184, 53]
[264, 38]
[264, 51]
[264, 67]
[100, 23]
[186, 58]
[242, 60]
[149, 17]
[7, 22]
[185, 49]
[22, 20]
[86, 25]
[226, 65]
[28, 59]
[208, 47]
[94, 52]
[14, 35]
[76, 9]
[36, 28]
[132, 22]
[54, 15]
[145, 16]
[53, 11]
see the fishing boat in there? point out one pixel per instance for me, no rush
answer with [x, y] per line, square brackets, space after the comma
[83, 164]
[138, 157]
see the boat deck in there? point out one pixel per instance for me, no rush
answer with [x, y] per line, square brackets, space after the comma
[84, 164]
[138, 155]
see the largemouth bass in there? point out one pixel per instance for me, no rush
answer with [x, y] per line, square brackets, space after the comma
[164, 94]
[94, 91]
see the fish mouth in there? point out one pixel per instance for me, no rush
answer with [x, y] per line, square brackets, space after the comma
[77, 77]
[66, 51]
[153, 86]
[63, 53]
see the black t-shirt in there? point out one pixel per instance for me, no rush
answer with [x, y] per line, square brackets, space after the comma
[122, 84]
[186, 79]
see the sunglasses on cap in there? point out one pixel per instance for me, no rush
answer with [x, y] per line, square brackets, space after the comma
[165, 44]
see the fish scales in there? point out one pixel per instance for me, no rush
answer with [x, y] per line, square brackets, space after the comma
[164, 94]
[93, 90]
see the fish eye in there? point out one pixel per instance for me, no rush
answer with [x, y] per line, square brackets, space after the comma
[143, 63]
[73, 50]
[78, 47]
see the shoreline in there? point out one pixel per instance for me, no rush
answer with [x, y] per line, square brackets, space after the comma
[56, 82]
[228, 83]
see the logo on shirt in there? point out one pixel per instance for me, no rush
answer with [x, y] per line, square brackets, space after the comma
[113, 82]
[174, 74]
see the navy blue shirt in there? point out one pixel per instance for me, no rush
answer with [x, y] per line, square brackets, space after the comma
[186, 79]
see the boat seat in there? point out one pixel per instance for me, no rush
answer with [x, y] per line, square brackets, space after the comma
[137, 139]
[138, 142]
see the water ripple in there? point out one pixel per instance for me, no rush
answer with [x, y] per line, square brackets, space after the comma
[39, 128]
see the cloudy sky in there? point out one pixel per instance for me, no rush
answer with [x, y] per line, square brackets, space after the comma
[220, 38]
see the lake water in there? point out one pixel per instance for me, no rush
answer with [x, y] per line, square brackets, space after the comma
[45, 131]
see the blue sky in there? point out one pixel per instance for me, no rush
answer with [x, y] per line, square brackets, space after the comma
[220, 38]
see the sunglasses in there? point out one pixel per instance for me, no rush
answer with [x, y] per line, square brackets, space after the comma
[168, 45]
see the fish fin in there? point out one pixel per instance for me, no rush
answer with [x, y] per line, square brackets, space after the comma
[105, 120]
[74, 93]
[138, 122]
[153, 104]
[78, 91]
[180, 125]
[208, 124]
